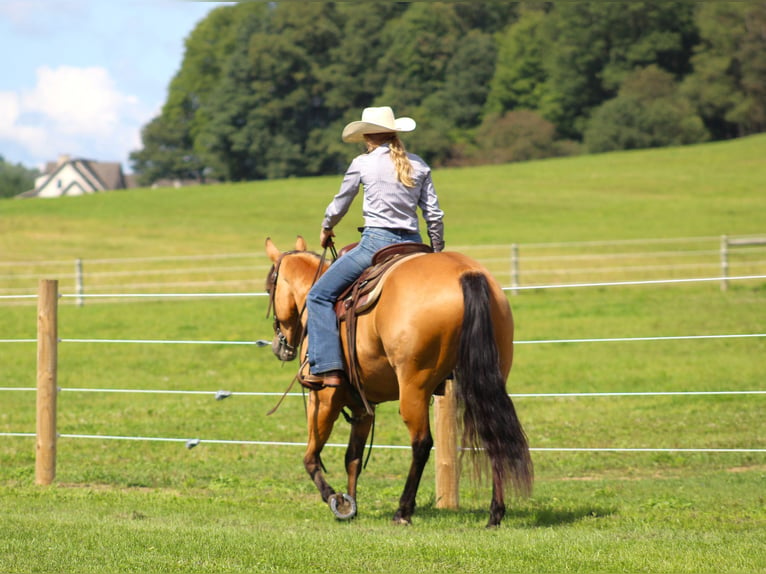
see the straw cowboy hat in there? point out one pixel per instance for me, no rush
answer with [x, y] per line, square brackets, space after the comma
[376, 121]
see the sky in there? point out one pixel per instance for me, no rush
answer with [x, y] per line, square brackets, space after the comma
[81, 77]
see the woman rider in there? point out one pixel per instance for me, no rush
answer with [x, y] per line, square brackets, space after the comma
[395, 184]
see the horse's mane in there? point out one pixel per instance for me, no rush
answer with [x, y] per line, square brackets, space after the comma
[306, 256]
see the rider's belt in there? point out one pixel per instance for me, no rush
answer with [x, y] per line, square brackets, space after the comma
[397, 230]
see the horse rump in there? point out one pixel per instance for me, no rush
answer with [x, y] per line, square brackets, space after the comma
[489, 418]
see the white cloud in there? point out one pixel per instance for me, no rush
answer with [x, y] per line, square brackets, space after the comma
[27, 136]
[10, 108]
[72, 110]
[78, 100]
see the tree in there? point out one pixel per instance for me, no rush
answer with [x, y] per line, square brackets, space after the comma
[728, 84]
[648, 112]
[439, 61]
[597, 44]
[447, 116]
[167, 153]
[467, 79]
[15, 179]
[489, 16]
[420, 45]
[229, 134]
[520, 75]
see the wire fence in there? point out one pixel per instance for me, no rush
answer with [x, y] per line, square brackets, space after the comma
[514, 265]
[224, 394]
[519, 267]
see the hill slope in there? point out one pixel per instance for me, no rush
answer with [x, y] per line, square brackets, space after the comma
[674, 192]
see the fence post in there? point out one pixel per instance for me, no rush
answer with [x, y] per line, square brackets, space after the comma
[724, 262]
[79, 282]
[515, 268]
[447, 469]
[47, 388]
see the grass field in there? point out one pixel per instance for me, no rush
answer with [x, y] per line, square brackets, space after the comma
[147, 506]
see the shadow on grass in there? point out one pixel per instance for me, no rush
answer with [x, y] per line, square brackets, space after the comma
[533, 514]
[548, 514]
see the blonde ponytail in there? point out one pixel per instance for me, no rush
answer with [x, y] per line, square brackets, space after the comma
[401, 161]
[398, 155]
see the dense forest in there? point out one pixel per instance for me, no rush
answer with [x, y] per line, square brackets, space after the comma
[265, 88]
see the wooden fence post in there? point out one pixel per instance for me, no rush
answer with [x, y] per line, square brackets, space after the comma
[47, 388]
[515, 279]
[79, 282]
[447, 467]
[724, 262]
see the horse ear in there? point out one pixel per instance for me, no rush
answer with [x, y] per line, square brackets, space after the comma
[272, 251]
[300, 243]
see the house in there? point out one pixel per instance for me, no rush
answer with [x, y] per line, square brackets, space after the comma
[70, 177]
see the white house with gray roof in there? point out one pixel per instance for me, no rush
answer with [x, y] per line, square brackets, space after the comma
[70, 177]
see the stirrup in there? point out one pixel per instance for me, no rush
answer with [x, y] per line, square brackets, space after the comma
[313, 382]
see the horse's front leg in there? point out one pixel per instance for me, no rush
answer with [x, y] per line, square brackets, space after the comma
[344, 505]
[415, 416]
[322, 411]
[360, 430]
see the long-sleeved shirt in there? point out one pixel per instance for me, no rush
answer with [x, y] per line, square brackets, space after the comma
[387, 201]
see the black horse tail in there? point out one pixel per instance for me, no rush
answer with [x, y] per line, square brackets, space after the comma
[489, 417]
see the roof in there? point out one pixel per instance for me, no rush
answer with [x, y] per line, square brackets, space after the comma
[110, 174]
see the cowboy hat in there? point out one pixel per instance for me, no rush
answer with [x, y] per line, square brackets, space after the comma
[376, 121]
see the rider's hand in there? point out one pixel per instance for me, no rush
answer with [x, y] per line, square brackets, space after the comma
[325, 238]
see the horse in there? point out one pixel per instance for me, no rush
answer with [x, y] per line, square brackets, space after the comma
[438, 315]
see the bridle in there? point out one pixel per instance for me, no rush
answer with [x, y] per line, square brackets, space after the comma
[285, 347]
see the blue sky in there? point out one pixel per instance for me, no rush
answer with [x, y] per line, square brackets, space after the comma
[81, 77]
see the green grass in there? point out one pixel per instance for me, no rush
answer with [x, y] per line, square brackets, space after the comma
[595, 526]
[127, 506]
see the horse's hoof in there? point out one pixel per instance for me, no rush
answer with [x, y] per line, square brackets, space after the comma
[402, 521]
[343, 506]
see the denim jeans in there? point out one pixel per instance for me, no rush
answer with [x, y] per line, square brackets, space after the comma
[324, 348]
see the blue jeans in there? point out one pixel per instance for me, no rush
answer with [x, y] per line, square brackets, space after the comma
[324, 348]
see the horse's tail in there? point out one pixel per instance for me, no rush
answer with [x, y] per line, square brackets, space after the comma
[489, 417]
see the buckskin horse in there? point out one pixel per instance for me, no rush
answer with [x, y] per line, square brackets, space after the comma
[437, 314]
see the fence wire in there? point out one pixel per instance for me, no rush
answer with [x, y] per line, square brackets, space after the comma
[194, 442]
[220, 395]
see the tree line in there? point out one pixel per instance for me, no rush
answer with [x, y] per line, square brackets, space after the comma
[265, 88]
[15, 178]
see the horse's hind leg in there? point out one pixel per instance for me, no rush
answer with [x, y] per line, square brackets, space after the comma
[322, 411]
[497, 506]
[415, 416]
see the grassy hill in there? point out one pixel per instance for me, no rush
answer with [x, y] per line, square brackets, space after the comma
[703, 190]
